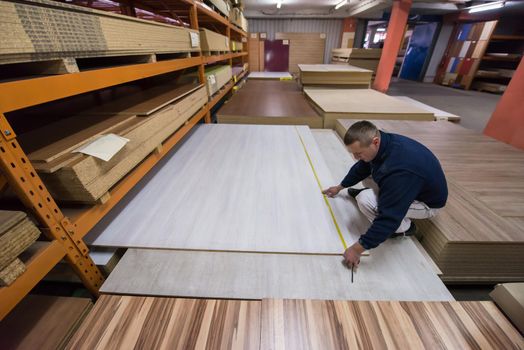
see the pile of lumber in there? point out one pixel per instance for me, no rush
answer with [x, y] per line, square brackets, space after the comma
[477, 236]
[340, 55]
[281, 102]
[211, 41]
[304, 48]
[365, 58]
[489, 87]
[236, 16]
[334, 104]
[17, 233]
[256, 52]
[217, 77]
[145, 118]
[222, 6]
[47, 30]
[43, 322]
[236, 46]
[334, 75]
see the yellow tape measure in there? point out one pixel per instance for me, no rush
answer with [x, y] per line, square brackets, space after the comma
[323, 195]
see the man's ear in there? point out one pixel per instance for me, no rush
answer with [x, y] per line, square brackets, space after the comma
[375, 140]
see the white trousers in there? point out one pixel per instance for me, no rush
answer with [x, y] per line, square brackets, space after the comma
[367, 201]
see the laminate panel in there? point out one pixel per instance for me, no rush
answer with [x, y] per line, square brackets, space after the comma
[394, 271]
[125, 322]
[228, 187]
[438, 113]
[334, 74]
[311, 324]
[304, 48]
[270, 75]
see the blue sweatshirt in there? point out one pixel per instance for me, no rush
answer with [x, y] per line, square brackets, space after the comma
[405, 170]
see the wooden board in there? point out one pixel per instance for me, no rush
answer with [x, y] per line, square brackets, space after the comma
[263, 197]
[212, 41]
[334, 74]
[217, 77]
[362, 104]
[269, 102]
[9, 218]
[43, 322]
[17, 239]
[270, 75]
[439, 114]
[510, 298]
[118, 322]
[307, 324]
[304, 48]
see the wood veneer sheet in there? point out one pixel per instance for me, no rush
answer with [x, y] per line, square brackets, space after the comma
[394, 271]
[270, 75]
[228, 187]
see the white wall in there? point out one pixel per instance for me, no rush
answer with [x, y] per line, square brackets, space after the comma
[438, 51]
[332, 28]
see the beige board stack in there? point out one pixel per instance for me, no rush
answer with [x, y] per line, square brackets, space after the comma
[17, 233]
[256, 52]
[510, 298]
[48, 30]
[334, 75]
[217, 77]
[222, 6]
[146, 119]
[236, 16]
[236, 46]
[213, 42]
[340, 55]
[365, 58]
[335, 104]
[43, 322]
[304, 48]
[477, 236]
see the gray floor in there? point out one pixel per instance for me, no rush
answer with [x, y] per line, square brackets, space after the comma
[475, 108]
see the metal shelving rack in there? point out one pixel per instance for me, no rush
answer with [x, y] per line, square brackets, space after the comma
[66, 234]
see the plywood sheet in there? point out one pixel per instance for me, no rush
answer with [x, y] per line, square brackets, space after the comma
[394, 271]
[334, 74]
[269, 102]
[304, 48]
[439, 114]
[385, 325]
[270, 75]
[118, 322]
[262, 197]
[212, 41]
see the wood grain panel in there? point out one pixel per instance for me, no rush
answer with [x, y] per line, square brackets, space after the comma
[304, 48]
[124, 322]
[310, 324]
[334, 74]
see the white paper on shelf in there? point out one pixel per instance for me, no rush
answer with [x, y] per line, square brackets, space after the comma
[195, 39]
[104, 147]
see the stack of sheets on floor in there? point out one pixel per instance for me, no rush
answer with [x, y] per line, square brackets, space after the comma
[217, 77]
[365, 58]
[361, 104]
[17, 233]
[65, 30]
[145, 118]
[477, 236]
[43, 322]
[340, 55]
[334, 75]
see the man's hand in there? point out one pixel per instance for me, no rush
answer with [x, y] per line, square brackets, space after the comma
[333, 191]
[352, 255]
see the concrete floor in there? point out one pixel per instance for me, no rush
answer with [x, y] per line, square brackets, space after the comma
[474, 108]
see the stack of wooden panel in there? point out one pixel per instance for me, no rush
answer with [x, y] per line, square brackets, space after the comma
[236, 46]
[217, 77]
[334, 75]
[304, 48]
[65, 30]
[477, 236]
[334, 104]
[213, 42]
[17, 233]
[145, 118]
[340, 55]
[365, 58]
[43, 322]
[256, 52]
[236, 16]
[222, 6]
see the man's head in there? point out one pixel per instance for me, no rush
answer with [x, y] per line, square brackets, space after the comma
[363, 140]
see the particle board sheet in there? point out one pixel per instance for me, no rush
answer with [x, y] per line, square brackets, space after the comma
[439, 114]
[270, 75]
[263, 101]
[393, 271]
[362, 104]
[477, 236]
[304, 48]
[334, 74]
[217, 77]
[80, 178]
[222, 6]
[262, 197]
[126, 322]
[213, 41]
[20, 232]
[11, 272]
[254, 48]
[43, 322]
[510, 298]
[314, 324]
[103, 34]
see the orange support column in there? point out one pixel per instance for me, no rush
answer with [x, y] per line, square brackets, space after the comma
[395, 32]
[507, 122]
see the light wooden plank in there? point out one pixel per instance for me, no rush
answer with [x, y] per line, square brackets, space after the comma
[394, 271]
[439, 114]
[334, 74]
[228, 187]
[270, 75]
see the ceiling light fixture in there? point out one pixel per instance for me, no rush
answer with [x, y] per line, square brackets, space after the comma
[381, 29]
[486, 7]
[279, 4]
[340, 4]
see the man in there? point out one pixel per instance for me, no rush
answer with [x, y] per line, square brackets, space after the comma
[408, 184]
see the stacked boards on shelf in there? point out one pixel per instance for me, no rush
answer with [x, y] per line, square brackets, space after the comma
[477, 236]
[335, 104]
[217, 76]
[334, 76]
[236, 16]
[17, 234]
[304, 48]
[213, 42]
[103, 33]
[222, 6]
[145, 118]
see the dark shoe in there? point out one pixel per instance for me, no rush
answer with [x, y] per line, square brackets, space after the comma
[412, 230]
[353, 192]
